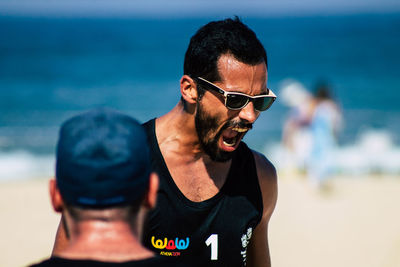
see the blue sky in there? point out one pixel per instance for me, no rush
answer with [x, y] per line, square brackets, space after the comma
[194, 8]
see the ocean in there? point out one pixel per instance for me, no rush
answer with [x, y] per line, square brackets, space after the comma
[52, 68]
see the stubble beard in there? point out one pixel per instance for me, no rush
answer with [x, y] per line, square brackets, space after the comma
[206, 128]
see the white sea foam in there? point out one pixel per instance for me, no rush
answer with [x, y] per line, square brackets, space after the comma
[373, 152]
[21, 165]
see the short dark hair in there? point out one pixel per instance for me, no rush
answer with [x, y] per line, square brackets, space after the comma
[322, 91]
[229, 36]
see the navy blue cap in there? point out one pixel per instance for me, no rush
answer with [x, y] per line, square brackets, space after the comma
[102, 160]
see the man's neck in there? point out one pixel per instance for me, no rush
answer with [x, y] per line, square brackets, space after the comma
[176, 133]
[103, 241]
[195, 174]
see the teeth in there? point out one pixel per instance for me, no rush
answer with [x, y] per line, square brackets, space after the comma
[232, 141]
[240, 130]
[227, 144]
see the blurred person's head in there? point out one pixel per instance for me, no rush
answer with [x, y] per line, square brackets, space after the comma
[322, 91]
[103, 169]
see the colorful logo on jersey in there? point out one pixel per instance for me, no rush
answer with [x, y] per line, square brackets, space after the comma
[171, 244]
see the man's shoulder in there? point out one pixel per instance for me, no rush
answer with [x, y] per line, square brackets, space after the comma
[263, 164]
[267, 179]
[264, 167]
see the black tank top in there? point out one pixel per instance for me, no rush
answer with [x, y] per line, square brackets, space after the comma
[214, 232]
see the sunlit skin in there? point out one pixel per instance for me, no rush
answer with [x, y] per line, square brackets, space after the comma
[177, 135]
[235, 77]
[109, 240]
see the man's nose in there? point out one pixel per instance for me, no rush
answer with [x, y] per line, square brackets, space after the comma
[248, 113]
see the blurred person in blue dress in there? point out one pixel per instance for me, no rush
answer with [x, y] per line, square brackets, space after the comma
[296, 135]
[310, 131]
[325, 123]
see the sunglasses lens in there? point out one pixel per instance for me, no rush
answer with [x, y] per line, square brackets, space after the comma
[236, 101]
[263, 103]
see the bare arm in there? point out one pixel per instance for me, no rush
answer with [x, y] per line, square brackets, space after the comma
[258, 250]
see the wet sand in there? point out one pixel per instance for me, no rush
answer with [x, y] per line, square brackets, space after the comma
[356, 222]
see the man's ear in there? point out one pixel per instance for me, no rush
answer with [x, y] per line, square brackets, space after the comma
[188, 89]
[55, 196]
[151, 195]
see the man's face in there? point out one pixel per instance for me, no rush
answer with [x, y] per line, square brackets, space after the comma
[220, 129]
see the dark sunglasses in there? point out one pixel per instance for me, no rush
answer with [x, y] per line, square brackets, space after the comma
[235, 100]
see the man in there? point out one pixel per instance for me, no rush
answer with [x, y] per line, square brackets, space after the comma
[216, 195]
[103, 186]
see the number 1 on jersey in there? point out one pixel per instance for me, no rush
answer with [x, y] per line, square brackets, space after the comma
[213, 241]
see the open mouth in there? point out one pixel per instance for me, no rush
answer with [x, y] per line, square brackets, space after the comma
[231, 138]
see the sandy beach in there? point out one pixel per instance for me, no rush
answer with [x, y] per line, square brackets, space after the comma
[355, 223]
